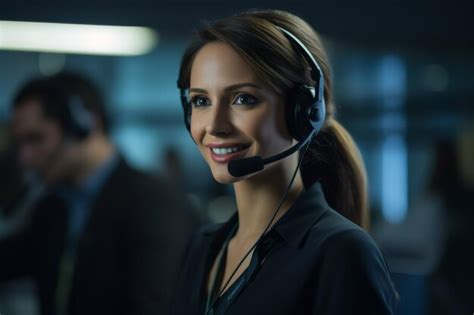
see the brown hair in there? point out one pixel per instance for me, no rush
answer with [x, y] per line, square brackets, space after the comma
[333, 158]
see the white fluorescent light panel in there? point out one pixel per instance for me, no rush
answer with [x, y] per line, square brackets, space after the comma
[76, 38]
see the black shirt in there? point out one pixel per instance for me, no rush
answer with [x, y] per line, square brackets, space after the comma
[313, 261]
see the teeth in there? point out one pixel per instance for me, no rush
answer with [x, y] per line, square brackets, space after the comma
[222, 151]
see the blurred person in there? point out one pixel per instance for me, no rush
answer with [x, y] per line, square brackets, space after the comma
[254, 85]
[103, 238]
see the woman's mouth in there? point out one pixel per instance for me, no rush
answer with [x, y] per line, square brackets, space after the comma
[224, 154]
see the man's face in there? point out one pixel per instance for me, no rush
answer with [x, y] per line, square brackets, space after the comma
[38, 137]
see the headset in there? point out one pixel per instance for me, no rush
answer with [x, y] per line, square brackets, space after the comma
[79, 120]
[76, 120]
[305, 113]
[66, 96]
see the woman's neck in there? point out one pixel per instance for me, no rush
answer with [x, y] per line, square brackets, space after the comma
[258, 197]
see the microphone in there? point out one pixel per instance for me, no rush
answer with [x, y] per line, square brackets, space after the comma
[246, 166]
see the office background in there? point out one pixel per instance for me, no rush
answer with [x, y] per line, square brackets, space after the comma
[403, 73]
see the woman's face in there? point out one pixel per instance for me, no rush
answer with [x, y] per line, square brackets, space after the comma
[233, 114]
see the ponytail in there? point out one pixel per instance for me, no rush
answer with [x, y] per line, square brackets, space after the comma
[334, 159]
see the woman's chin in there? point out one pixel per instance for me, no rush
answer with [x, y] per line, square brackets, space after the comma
[222, 176]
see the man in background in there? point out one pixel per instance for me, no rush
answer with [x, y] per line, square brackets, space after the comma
[102, 238]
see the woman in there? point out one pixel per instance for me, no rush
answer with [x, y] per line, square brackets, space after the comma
[247, 87]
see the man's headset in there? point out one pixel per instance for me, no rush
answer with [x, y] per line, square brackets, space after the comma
[79, 120]
[305, 113]
[76, 120]
[77, 123]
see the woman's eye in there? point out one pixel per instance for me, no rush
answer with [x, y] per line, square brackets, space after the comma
[198, 101]
[245, 99]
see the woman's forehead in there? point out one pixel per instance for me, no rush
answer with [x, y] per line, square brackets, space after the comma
[218, 64]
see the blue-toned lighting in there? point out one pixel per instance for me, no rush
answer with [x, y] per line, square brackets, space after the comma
[392, 87]
[394, 179]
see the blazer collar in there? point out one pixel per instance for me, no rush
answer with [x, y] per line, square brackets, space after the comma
[310, 206]
[292, 227]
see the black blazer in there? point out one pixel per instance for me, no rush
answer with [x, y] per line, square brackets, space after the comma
[314, 261]
[127, 259]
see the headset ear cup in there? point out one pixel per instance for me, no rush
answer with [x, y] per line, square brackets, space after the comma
[81, 119]
[317, 115]
[300, 106]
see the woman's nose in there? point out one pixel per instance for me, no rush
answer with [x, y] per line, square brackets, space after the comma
[219, 122]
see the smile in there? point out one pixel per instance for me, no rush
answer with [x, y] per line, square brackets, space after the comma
[223, 154]
[228, 150]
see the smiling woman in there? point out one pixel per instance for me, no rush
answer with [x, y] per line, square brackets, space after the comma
[258, 85]
[234, 115]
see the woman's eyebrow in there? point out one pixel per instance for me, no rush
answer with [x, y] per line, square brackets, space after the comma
[229, 88]
[198, 90]
[241, 85]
